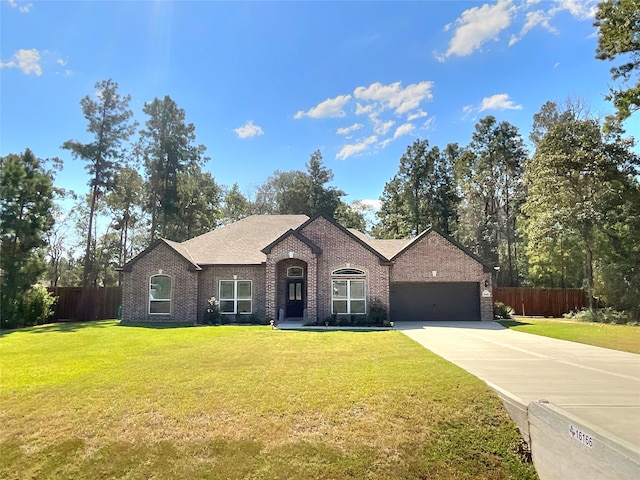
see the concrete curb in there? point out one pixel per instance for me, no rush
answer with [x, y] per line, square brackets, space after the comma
[517, 409]
[565, 447]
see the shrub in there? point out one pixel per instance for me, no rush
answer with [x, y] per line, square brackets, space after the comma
[377, 312]
[344, 321]
[213, 313]
[37, 306]
[500, 310]
[331, 320]
[602, 315]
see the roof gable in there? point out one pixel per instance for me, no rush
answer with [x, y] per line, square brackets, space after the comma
[347, 232]
[312, 246]
[487, 267]
[174, 246]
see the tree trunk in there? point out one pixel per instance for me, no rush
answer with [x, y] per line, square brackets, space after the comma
[87, 252]
[589, 272]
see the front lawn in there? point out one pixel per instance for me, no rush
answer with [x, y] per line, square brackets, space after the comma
[617, 337]
[99, 400]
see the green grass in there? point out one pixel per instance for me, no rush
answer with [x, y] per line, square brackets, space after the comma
[617, 337]
[100, 401]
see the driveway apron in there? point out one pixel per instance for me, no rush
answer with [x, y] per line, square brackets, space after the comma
[599, 385]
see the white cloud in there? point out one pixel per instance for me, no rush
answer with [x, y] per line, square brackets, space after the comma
[499, 101]
[248, 130]
[348, 130]
[414, 116]
[61, 62]
[393, 96]
[364, 109]
[581, 9]
[404, 129]
[374, 205]
[534, 19]
[330, 108]
[378, 102]
[428, 124]
[28, 61]
[380, 127]
[22, 8]
[477, 25]
[352, 149]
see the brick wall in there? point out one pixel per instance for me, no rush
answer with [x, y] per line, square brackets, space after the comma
[184, 291]
[210, 283]
[434, 253]
[283, 265]
[289, 252]
[340, 250]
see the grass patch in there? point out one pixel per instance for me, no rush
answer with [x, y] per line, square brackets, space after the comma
[99, 400]
[625, 338]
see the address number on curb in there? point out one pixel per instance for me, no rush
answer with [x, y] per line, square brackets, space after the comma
[580, 436]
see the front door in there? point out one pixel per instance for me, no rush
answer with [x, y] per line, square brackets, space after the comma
[295, 298]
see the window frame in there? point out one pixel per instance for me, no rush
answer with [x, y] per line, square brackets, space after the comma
[235, 299]
[168, 300]
[290, 275]
[348, 276]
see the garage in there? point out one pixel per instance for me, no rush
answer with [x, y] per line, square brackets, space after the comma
[422, 301]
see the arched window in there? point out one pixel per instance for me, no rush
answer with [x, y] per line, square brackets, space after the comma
[348, 272]
[348, 291]
[295, 272]
[160, 294]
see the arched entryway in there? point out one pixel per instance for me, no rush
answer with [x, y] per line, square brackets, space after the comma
[292, 288]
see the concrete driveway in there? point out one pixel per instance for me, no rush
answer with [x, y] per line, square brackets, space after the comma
[596, 384]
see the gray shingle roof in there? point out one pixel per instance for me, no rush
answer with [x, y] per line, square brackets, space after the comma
[240, 243]
[388, 248]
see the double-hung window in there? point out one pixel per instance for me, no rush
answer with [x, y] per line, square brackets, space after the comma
[160, 294]
[235, 296]
[348, 292]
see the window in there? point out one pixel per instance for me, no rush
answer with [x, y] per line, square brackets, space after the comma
[348, 295]
[235, 296]
[160, 294]
[348, 272]
[295, 291]
[295, 272]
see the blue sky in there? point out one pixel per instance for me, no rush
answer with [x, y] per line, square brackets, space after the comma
[268, 83]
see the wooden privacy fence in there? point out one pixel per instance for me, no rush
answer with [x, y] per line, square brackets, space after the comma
[104, 302]
[76, 303]
[547, 302]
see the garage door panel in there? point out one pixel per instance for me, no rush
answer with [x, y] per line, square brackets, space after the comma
[422, 301]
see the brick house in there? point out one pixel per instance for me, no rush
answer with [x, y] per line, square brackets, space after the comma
[293, 266]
